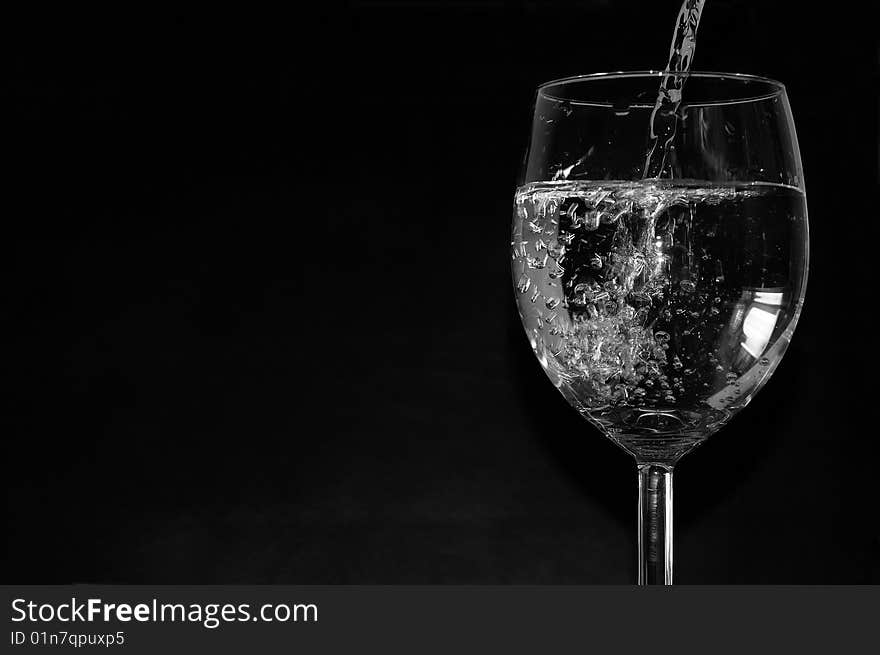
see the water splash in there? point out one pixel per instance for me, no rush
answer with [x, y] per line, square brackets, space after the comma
[642, 320]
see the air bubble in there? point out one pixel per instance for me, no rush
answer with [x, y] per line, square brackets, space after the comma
[591, 220]
[582, 294]
[524, 283]
[552, 303]
[661, 337]
[607, 217]
[556, 250]
[764, 362]
[572, 210]
[687, 286]
[534, 262]
[535, 294]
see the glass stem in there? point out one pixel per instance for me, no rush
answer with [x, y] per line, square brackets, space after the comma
[655, 524]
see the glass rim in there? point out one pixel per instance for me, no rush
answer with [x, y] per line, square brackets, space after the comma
[778, 88]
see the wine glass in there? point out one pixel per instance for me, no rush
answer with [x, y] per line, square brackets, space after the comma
[659, 306]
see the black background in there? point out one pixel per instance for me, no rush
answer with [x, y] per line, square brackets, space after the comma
[263, 322]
